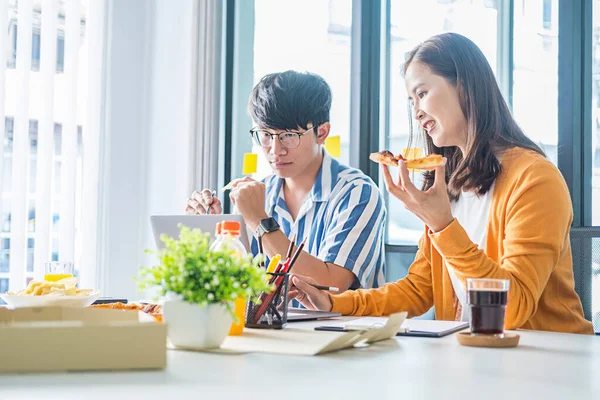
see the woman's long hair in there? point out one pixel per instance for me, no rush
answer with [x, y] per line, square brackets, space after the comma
[490, 125]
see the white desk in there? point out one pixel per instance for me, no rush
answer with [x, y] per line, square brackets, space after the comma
[544, 366]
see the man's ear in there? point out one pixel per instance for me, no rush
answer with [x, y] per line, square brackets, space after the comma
[323, 132]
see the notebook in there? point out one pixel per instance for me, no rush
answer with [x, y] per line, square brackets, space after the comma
[410, 327]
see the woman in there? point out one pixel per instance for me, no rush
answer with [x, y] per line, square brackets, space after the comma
[497, 208]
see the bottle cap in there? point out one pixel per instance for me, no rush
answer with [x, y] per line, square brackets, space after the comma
[230, 226]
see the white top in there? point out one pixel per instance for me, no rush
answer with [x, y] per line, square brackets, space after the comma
[544, 366]
[472, 212]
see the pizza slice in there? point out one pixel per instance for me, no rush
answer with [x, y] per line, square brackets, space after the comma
[424, 163]
[429, 163]
[384, 157]
[154, 310]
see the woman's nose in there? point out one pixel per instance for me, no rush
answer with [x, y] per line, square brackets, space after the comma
[419, 114]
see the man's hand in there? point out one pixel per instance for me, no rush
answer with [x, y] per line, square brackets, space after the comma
[249, 199]
[203, 203]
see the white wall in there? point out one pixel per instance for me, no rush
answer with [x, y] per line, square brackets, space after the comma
[147, 127]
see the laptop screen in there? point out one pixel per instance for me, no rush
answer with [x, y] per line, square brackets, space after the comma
[168, 224]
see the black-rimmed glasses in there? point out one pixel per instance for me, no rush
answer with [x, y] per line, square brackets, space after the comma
[288, 139]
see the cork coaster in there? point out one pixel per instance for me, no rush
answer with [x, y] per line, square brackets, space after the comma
[505, 340]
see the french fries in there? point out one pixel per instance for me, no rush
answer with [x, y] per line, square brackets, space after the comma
[64, 287]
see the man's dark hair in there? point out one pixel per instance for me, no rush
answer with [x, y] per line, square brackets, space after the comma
[289, 100]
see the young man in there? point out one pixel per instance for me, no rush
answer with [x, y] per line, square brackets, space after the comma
[338, 209]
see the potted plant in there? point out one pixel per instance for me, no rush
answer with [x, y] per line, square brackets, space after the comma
[201, 286]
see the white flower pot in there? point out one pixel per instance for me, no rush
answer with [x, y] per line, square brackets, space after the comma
[194, 326]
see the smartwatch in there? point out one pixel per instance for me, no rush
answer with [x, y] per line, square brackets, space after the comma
[267, 225]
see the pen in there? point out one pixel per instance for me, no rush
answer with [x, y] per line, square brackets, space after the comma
[321, 287]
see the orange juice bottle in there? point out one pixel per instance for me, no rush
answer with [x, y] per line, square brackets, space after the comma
[230, 237]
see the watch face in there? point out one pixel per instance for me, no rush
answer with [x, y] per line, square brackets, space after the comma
[269, 224]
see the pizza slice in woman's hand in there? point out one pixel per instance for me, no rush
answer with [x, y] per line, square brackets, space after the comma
[425, 163]
[428, 163]
[384, 157]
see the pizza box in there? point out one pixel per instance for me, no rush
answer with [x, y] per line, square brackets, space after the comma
[44, 339]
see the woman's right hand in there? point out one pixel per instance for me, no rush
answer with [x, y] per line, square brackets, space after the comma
[309, 296]
[201, 202]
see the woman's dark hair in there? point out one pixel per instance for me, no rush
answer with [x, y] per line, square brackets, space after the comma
[290, 99]
[490, 125]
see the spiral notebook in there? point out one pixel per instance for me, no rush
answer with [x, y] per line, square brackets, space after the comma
[410, 327]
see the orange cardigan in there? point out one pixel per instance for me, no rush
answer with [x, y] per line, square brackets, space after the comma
[527, 243]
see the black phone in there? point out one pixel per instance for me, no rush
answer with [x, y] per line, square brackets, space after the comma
[105, 300]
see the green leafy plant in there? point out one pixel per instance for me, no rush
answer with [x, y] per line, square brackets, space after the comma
[189, 268]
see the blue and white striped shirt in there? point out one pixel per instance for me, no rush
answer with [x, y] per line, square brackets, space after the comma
[343, 217]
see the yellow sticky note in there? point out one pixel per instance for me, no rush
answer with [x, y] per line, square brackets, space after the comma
[411, 153]
[333, 146]
[250, 163]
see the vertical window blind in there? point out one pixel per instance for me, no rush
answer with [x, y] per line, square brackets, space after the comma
[51, 96]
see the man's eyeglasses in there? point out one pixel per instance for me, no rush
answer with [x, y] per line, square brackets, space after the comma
[288, 139]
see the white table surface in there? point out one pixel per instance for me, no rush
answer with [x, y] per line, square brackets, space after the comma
[544, 366]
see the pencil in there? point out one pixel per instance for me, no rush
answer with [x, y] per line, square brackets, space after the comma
[290, 248]
[320, 287]
[282, 268]
[296, 255]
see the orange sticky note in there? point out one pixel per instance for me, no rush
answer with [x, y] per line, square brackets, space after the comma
[250, 163]
[333, 146]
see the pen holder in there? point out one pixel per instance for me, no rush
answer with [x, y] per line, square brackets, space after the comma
[269, 311]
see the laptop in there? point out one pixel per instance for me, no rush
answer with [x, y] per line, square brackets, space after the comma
[302, 314]
[168, 224]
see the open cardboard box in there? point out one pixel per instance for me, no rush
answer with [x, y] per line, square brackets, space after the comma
[72, 339]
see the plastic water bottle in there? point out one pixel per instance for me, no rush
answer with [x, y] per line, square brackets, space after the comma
[218, 238]
[229, 238]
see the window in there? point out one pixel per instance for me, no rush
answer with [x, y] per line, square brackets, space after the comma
[36, 41]
[548, 5]
[303, 35]
[525, 61]
[596, 116]
[64, 112]
[474, 19]
[596, 162]
[535, 72]
[7, 194]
